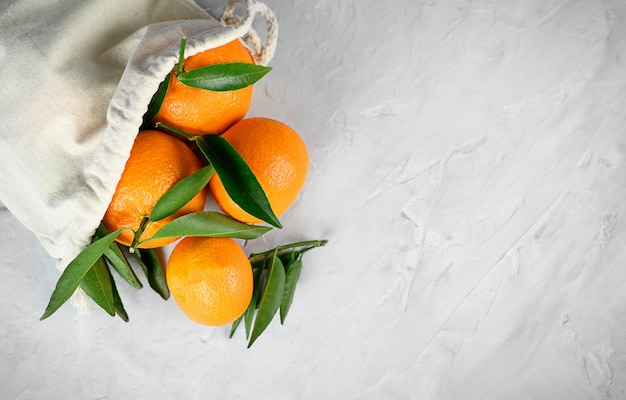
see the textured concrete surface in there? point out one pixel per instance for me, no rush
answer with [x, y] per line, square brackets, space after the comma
[468, 168]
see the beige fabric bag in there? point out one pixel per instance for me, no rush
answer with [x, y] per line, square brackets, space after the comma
[77, 76]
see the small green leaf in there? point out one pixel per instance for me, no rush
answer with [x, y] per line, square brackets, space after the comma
[97, 285]
[234, 326]
[209, 224]
[117, 300]
[76, 271]
[156, 102]
[248, 315]
[224, 77]
[118, 261]
[237, 178]
[291, 279]
[288, 258]
[151, 265]
[271, 298]
[181, 193]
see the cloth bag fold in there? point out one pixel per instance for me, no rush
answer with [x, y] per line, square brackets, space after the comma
[76, 78]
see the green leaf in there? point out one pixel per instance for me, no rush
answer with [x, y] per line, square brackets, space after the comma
[289, 257]
[118, 261]
[239, 181]
[209, 224]
[97, 284]
[156, 101]
[76, 271]
[224, 77]
[271, 298]
[291, 279]
[181, 193]
[117, 300]
[248, 315]
[151, 265]
[234, 326]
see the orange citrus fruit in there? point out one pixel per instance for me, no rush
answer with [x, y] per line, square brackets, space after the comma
[278, 158]
[199, 111]
[210, 279]
[157, 162]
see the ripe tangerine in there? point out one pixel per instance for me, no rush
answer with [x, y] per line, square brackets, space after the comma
[277, 156]
[210, 279]
[157, 162]
[198, 111]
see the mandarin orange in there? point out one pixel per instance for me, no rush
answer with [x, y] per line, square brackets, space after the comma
[277, 156]
[210, 279]
[199, 111]
[157, 162]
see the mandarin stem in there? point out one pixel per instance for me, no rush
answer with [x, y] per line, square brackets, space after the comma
[181, 56]
[175, 131]
[138, 233]
[311, 243]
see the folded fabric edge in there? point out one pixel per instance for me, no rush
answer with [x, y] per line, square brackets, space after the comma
[139, 81]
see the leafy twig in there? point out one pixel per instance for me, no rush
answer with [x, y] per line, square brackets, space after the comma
[308, 244]
[276, 273]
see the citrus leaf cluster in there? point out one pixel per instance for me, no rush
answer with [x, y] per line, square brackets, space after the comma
[275, 274]
[105, 252]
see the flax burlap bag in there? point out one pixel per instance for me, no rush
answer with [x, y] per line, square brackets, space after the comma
[76, 79]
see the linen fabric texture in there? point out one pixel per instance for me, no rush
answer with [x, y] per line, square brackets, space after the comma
[77, 77]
